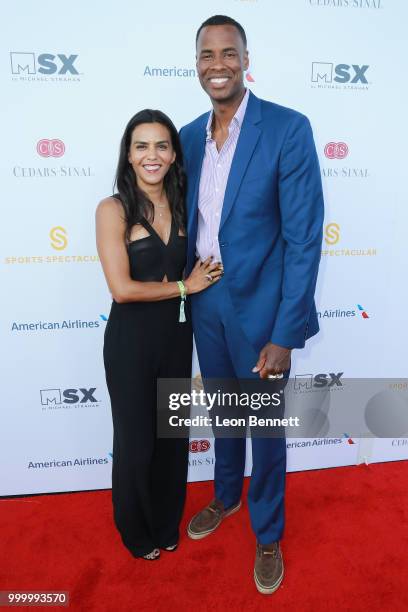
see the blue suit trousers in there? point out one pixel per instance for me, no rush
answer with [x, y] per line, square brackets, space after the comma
[225, 352]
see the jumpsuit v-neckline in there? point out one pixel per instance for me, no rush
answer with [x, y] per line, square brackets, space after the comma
[149, 228]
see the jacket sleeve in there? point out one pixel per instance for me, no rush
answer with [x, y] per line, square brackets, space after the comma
[302, 212]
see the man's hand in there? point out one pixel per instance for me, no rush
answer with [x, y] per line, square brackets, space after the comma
[273, 359]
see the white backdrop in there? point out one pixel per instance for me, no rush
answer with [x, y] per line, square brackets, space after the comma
[72, 75]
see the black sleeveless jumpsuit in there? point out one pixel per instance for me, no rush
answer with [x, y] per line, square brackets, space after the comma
[145, 341]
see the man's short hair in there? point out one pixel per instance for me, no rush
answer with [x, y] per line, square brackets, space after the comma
[223, 20]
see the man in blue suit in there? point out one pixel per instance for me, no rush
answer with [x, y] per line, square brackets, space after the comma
[255, 204]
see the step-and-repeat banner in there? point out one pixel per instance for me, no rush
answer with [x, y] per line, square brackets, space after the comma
[72, 76]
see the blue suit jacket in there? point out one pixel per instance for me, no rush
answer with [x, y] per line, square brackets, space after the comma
[271, 223]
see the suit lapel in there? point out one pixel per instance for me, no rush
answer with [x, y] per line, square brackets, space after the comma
[195, 164]
[195, 161]
[246, 144]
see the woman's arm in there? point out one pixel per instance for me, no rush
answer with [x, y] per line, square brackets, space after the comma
[110, 242]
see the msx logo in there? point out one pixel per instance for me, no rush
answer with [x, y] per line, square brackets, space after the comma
[67, 396]
[45, 63]
[308, 381]
[323, 72]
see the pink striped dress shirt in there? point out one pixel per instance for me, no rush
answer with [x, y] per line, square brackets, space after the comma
[213, 182]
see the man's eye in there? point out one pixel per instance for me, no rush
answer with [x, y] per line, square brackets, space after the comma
[163, 146]
[140, 147]
[230, 54]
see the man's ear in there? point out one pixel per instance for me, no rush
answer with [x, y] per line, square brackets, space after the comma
[246, 59]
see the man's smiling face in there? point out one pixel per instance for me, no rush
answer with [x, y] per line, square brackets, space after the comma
[221, 61]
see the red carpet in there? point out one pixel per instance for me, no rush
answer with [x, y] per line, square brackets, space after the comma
[346, 548]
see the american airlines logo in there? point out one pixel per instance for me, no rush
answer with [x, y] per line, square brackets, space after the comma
[168, 71]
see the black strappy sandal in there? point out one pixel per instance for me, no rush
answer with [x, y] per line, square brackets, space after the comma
[152, 556]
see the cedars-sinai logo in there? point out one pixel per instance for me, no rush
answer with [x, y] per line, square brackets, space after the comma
[199, 446]
[336, 150]
[50, 147]
[53, 167]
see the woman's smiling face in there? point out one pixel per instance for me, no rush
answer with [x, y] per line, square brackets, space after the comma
[151, 153]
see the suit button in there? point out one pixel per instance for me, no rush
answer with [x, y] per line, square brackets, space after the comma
[223, 244]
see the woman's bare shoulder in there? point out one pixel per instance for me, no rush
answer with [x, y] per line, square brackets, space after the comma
[110, 206]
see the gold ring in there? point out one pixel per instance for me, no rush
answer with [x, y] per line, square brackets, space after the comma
[209, 277]
[275, 376]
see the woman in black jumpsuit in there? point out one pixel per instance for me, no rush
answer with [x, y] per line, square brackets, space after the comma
[142, 246]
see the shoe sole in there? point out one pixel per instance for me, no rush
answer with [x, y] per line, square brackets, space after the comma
[200, 536]
[268, 590]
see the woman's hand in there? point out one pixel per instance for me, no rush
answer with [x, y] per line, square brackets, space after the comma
[203, 275]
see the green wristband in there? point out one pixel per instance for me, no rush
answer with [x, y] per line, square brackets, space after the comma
[183, 293]
[183, 290]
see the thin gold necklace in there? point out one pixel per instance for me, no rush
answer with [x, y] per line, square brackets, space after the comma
[160, 206]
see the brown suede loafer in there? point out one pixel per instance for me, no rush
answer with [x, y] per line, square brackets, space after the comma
[268, 572]
[208, 519]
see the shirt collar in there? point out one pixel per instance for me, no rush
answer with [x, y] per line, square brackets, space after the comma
[237, 118]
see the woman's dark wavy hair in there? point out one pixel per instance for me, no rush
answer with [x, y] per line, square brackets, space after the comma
[135, 202]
